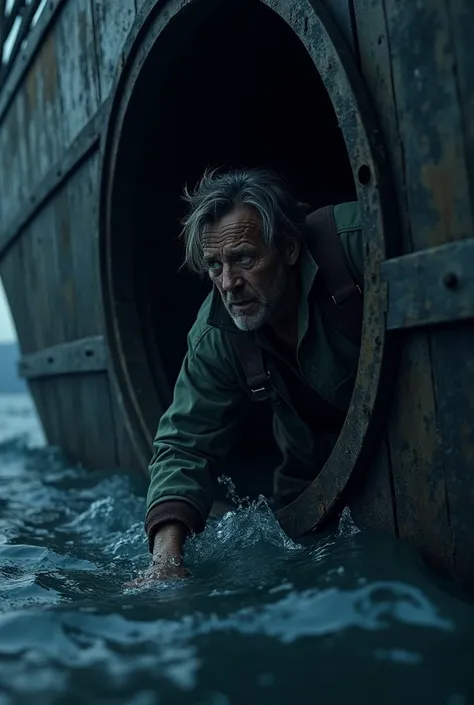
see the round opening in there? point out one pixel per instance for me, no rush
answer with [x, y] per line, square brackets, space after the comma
[214, 83]
[363, 174]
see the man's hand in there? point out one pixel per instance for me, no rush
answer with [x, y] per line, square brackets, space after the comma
[167, 556]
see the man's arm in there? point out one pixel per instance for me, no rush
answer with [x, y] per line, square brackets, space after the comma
[195, 432]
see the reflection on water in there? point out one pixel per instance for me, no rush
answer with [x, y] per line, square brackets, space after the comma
[345, 617]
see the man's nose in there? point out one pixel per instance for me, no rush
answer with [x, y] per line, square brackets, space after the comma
[230, 279]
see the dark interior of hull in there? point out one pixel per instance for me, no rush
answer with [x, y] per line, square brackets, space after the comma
[234, 88]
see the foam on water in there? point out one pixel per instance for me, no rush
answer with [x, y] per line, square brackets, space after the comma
[261, 619]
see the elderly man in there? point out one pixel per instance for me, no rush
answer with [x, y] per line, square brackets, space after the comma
[282, 324]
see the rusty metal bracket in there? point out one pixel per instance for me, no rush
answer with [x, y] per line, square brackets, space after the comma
[75, 357]
[431, 287]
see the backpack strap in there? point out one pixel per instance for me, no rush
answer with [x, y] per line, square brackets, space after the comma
[344, 305]
[251, 358]
[341, 299]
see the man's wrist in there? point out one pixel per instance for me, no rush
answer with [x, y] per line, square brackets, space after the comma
[169, 541]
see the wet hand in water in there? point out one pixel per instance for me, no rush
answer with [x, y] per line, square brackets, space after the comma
[167, 567]
[167, 557]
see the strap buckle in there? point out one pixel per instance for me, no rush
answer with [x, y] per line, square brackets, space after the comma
[259, 387]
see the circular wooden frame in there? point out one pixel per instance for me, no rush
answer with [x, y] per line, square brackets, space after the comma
[314, 26]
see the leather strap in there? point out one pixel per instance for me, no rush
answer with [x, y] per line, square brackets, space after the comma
[341, 297]
[250, 355]
[325, 245]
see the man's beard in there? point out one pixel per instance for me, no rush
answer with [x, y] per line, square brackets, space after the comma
[265, 306]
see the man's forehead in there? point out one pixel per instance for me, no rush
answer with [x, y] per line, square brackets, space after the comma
[232, 230]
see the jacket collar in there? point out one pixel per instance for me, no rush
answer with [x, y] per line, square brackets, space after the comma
[220, 318]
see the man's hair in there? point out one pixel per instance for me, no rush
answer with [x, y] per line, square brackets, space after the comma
[218, 194]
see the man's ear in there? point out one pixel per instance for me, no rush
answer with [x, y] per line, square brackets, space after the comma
[292, 251]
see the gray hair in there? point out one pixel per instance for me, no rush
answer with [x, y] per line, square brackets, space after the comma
[216, 195]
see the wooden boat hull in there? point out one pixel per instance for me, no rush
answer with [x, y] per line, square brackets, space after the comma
[111, 107]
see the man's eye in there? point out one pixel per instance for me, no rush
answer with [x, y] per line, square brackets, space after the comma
[245, 259]
[214, 266]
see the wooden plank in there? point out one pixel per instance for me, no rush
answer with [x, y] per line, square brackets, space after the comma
[418, 472]
[431, 286]
[36, 39]
[35, 138]
[461, 26]
[377, 503]
[453, 369]
[372, 502]
[439, 203]
[431, 120]
[83, 355]
[13, 161]
[452, 350]
[83, 198]
[418, 477]
[343, 13]
[85, 143]
[77, 67]
[127, 456]
[96, 423]
[112, 22]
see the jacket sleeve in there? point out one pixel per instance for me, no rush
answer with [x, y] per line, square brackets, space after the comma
[192, 434]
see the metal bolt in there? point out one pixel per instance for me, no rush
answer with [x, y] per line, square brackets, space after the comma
[450, 280]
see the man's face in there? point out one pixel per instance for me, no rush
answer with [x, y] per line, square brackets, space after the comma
[250, 278]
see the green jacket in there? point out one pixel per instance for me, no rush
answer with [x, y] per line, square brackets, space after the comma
[197, 429]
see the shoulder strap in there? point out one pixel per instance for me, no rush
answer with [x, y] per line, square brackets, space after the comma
[251, 358]
[325, 245]
[345, 304]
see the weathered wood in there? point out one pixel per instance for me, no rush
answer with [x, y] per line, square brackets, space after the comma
[96, 422]
[461, 13]
[72, 158]
[83, 355]
[81, 231]
[13, 160]
[453, 371]
[453, 350]
[127, 456]
[417, 476]
[77, 415]
[112, 22]
[343, 13]
[438, 195]
[77, 67]
[32, 135]
[35, 41]
[372, 500]
[26, 19]
[431, 286]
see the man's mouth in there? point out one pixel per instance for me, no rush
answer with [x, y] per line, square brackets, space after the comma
[243, 306]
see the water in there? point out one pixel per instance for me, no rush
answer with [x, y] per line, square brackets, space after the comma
[349, 617]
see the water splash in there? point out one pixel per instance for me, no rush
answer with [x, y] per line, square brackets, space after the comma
[347, 526]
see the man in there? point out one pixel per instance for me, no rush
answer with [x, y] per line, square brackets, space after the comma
[272, 329]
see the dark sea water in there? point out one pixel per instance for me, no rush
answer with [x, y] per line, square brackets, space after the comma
[351, 617]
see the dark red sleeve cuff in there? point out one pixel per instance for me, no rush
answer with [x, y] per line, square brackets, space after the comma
[172, 510]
